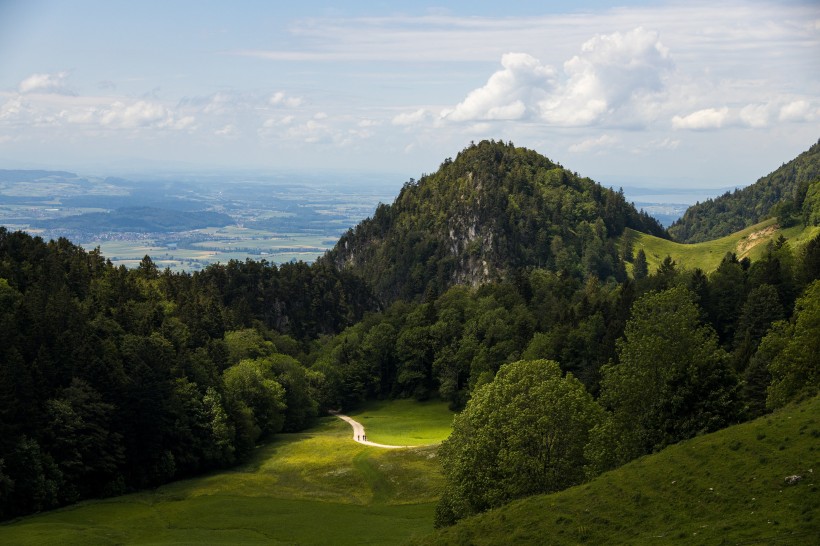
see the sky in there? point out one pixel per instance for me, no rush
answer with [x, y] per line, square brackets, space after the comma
[663, 95]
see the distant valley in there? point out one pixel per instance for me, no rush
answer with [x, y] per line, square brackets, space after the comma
[187, 222]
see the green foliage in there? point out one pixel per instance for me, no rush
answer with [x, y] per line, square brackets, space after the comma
[795, 352]
[782, 193]
[247, 343]
[671, 381]
[523, 433]
[811, 205]
[251, 383]
[639, 267]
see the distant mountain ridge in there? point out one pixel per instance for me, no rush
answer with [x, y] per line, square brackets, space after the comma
[493, 210]
[27, 175]
[780, 193]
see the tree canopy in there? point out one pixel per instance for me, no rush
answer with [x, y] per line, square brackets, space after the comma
[521, 434]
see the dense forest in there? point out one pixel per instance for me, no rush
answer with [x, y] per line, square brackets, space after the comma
[115, 379]
[791, 193]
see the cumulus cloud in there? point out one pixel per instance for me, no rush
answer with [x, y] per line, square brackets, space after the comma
[139, 114]
[281, 99]
[614, 73]
[411, 118]
[799, 110]
[708, 118]
[11, 109]
[615, 79]
[44, 83]
[510, 94]
[219, 103]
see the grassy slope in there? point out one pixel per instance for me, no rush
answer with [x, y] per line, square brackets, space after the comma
[749, 242]
[722, 488]
[316, 487]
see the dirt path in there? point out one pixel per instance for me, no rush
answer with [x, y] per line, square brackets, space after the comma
[359, 433]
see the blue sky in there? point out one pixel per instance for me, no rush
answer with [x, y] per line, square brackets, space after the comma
[657, 94]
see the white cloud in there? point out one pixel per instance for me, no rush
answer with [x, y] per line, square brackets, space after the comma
[411, 118]
[312, 132]
[601, 142]
[510, 94]
[277, 122]
[756, 115]
[11, 109]
[183, 123]
[663, 144]
[708, 118]
[228, 131]
[799, 110]
[44, 83]
[139, 114]
[614, 78]
[219, 103]
[364, 123]
[281, 99]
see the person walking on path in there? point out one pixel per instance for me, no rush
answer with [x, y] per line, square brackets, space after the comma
[358, 432]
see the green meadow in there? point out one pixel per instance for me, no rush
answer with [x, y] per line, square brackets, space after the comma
[314, 487]
[405, 422]
[750, 242]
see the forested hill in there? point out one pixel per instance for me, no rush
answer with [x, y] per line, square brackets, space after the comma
[493, 210]
[782, 193]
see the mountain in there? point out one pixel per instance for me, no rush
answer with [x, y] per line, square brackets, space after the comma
[140, 219]
[493, 210]
[780, 193]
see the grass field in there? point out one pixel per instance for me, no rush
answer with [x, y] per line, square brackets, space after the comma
[723, 488]
[749, 242]
[315, 487]
[405, 422]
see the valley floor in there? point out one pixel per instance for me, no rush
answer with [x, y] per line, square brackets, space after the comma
[315, 487]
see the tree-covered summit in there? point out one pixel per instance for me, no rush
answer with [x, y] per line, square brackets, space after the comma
[493, 210]
[790, 192]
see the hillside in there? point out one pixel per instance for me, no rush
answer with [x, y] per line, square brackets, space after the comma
[747, 243]
[780, 193]
[494, 209]
[729, 487]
